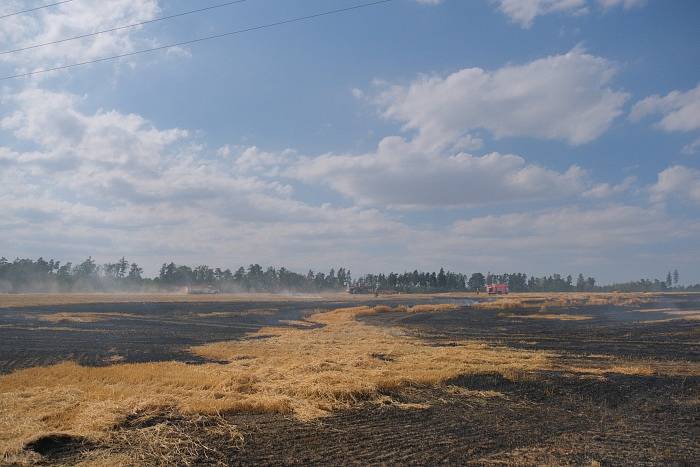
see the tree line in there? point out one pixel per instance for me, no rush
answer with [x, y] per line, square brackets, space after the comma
[28, 275]
[253, 278]
[449, 281]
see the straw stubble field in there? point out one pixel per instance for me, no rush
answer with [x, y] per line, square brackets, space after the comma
[370, 383]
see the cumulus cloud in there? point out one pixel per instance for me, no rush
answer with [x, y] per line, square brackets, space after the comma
[401, 175]
[677, 181]
[524, 12]
[154, 193]
[691, 148]
[106, 181]
[568, 238]
[626, 4]
[606, 190]
[52, 120]
[680, 110]
[70, 20]
[571, 228]
[76, 182]
[562, 97]
[253, 160]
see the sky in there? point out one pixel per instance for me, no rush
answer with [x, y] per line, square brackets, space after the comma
[537, 136]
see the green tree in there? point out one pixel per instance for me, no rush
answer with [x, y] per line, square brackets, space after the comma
[86, 269]
[441, 279]
[135, 272]
[477, 281]
[590, 283]
[122, 266]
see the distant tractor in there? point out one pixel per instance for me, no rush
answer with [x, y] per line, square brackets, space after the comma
[497, 289]
[360, 290]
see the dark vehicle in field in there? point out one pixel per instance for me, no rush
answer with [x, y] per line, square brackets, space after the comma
[208, 290]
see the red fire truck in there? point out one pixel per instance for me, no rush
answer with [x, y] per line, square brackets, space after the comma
[497, 289]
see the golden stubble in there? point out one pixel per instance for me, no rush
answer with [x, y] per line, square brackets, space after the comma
[304, 372]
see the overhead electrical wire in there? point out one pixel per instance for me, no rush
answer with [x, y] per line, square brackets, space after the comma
[119, 28]
[201, 39]
[29, 10]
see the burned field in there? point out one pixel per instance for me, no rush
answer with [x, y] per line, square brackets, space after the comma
[102, 334]
[664, 327]
[526, 380]
[151, 331]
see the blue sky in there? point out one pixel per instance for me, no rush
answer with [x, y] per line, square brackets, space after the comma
[505, 135]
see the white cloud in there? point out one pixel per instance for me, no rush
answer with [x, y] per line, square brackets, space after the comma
[224, 151]
[357, 93]
[563, 97]
[105, 182]
[691, 148]
[626, 4]
[677, 181]
[570, 228]
[155, 194]
[253, 160]
[76, 182]
[566, 239]
[680, 110]
[559, 97]
[69, 20]
[401, 175]
[52, 120]
[524, 12]
[606, 190]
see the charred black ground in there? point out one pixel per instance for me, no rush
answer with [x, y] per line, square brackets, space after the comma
[150, 332]
[138, 332]
[549, 419]
[552, 418]
[634, 332]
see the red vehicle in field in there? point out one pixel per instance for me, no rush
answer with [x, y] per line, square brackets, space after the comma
[497, 289]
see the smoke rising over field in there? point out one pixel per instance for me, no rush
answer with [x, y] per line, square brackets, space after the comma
[41, 276]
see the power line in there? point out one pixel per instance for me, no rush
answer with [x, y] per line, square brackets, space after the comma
[34, 9]
[201, 39]
[118, 28]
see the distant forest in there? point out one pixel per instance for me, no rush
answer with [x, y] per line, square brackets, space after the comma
[27, 275]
